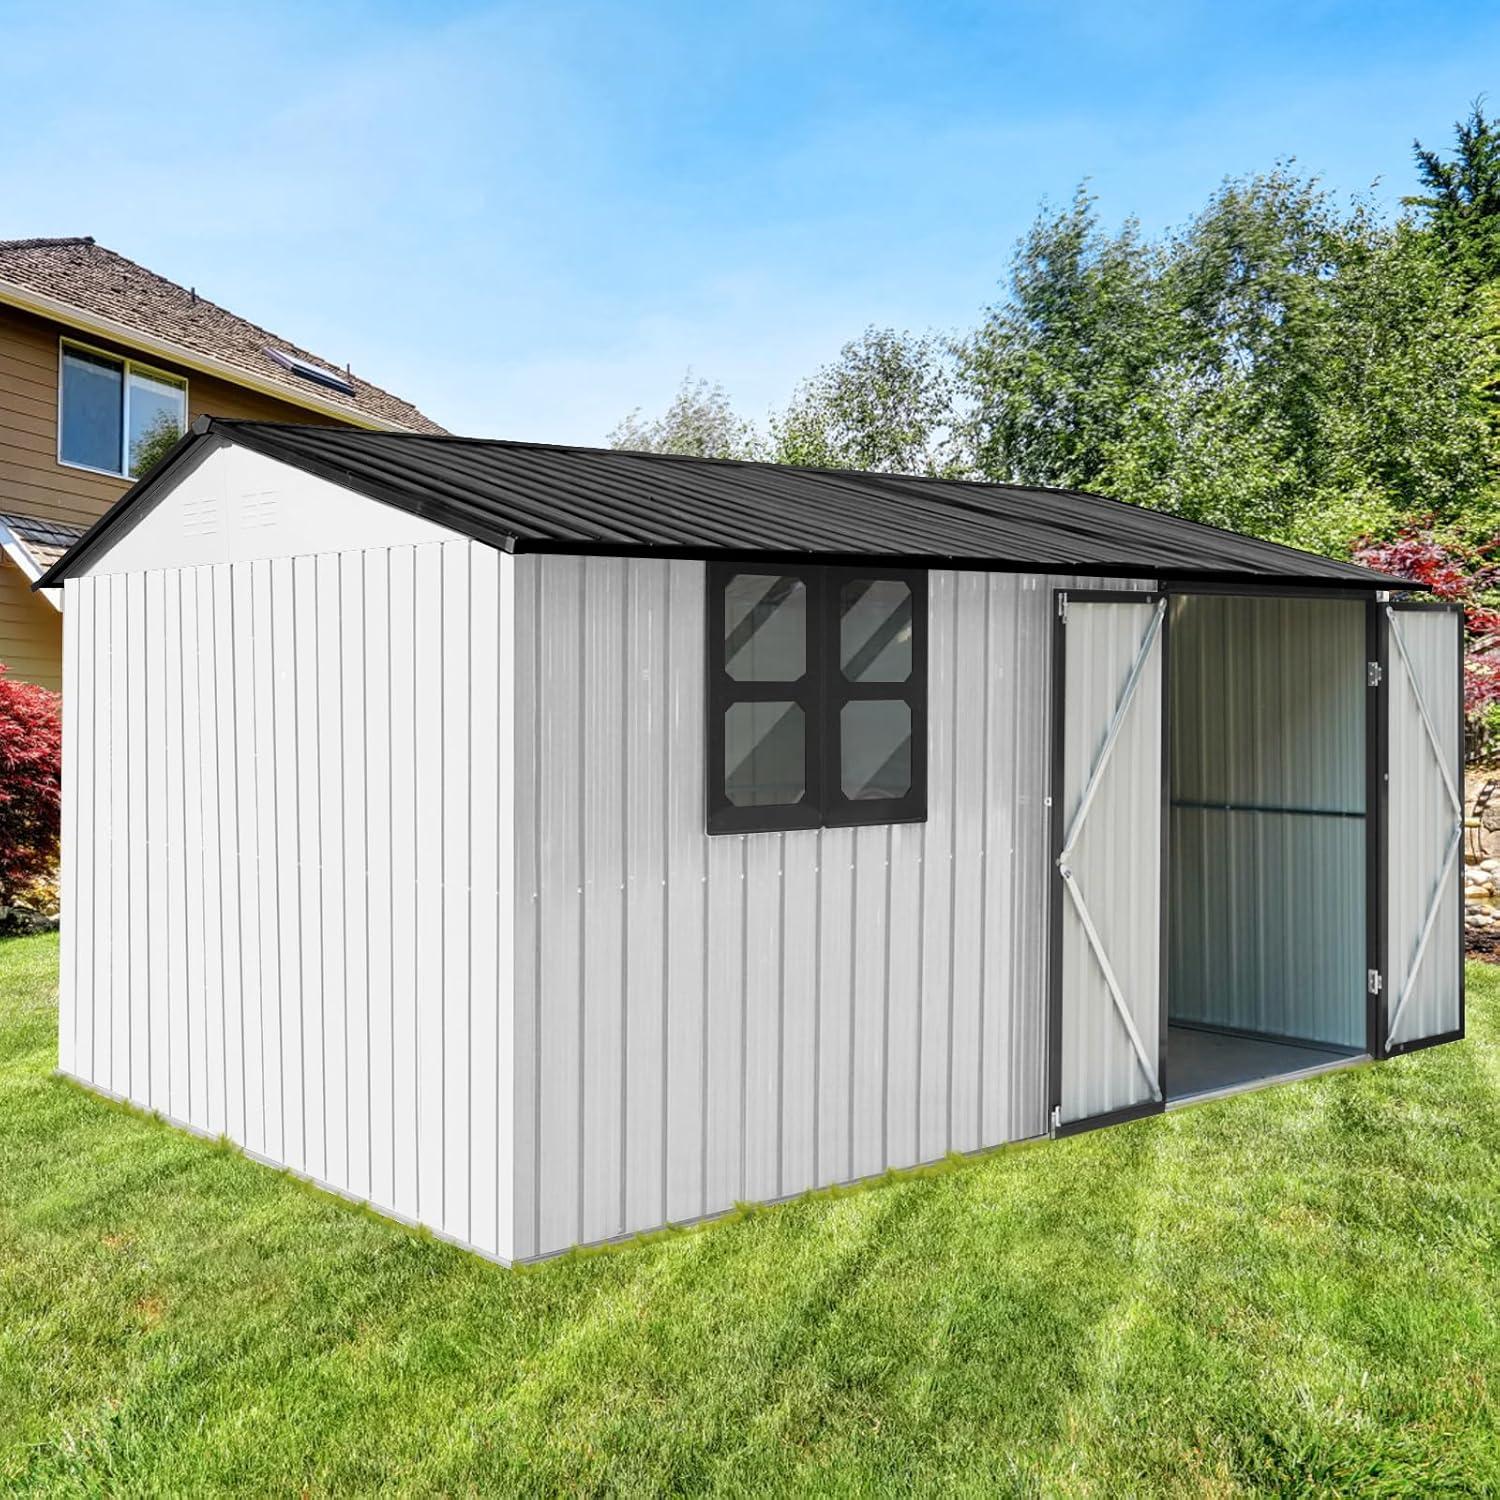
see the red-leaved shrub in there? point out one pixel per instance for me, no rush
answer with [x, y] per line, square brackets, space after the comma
[30, 786]
[1462, 573]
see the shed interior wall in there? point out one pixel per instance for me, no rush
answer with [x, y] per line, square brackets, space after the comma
[1267, 804]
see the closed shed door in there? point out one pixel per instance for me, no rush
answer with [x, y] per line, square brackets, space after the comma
[1108, 1002]
[1422, 988]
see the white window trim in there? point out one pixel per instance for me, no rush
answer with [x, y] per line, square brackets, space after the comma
[126, 365]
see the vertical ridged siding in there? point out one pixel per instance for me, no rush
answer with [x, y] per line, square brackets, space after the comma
[286, 914]
[1117, 857]
[1268, 908]
[702, 1021]
[1421, 826]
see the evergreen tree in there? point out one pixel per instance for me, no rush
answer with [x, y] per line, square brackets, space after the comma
[1461, 200]
[1461, 210]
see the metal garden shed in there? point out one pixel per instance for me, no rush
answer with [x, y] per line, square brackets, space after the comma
[548, 844]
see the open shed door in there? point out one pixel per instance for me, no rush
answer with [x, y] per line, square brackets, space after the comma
[1421, 988]
[1108, 839]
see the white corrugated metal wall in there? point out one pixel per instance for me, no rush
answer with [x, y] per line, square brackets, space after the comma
[292, 878]
[288, 917]
[713, 1020]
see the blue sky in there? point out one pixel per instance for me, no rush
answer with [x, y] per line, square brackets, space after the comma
[529, 218]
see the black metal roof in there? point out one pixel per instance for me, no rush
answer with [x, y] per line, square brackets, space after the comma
[538, 497]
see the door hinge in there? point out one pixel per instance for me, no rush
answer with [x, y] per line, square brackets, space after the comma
[1062, 608]
[1057, 1117]
[1373, 981]
[1373, 674]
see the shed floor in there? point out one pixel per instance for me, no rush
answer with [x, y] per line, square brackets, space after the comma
[1212, 1062]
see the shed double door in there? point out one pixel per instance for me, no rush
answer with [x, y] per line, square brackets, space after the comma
[1109, 843]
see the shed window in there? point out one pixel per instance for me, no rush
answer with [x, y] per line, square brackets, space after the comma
[116, 416]
[817, 697]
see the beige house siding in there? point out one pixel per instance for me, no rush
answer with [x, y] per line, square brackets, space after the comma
[31, 479]
[30, 630]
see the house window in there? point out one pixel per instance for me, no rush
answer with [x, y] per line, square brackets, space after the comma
[817, 697]
[115, 415]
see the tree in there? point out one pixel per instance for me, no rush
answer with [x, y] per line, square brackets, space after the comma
[153, 445]
[1053, 369]
[886, 404]
[1461, 211]
[1282, 365]
[1402, 431]
[699, 422]
[1461, 201]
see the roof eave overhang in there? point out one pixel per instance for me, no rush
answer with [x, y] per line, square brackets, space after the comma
[1179, 580]
[20, 554]
[60, 311]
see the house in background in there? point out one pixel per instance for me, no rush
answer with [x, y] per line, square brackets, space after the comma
[101, 363]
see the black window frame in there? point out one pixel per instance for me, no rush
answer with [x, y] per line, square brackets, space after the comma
[822, 693]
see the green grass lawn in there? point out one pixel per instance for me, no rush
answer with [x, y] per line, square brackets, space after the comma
[1293, 1289]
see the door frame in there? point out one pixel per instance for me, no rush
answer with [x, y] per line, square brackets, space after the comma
[1376, 743]
[1377, 813]
[1376, 739]
[1380, 1045]
[1057, 831]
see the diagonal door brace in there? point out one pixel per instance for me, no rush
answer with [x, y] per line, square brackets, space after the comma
[1127, 693]
[1070, 881]
[1427, 724]
[1433, 906]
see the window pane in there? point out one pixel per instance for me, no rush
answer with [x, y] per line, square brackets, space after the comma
[765, 754]
[158, 417]
[875, 749]
[91, 410]
[875, 630]
[765, 628]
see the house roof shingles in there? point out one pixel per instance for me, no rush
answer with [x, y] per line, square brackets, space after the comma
[97, 281]
[45, 541]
